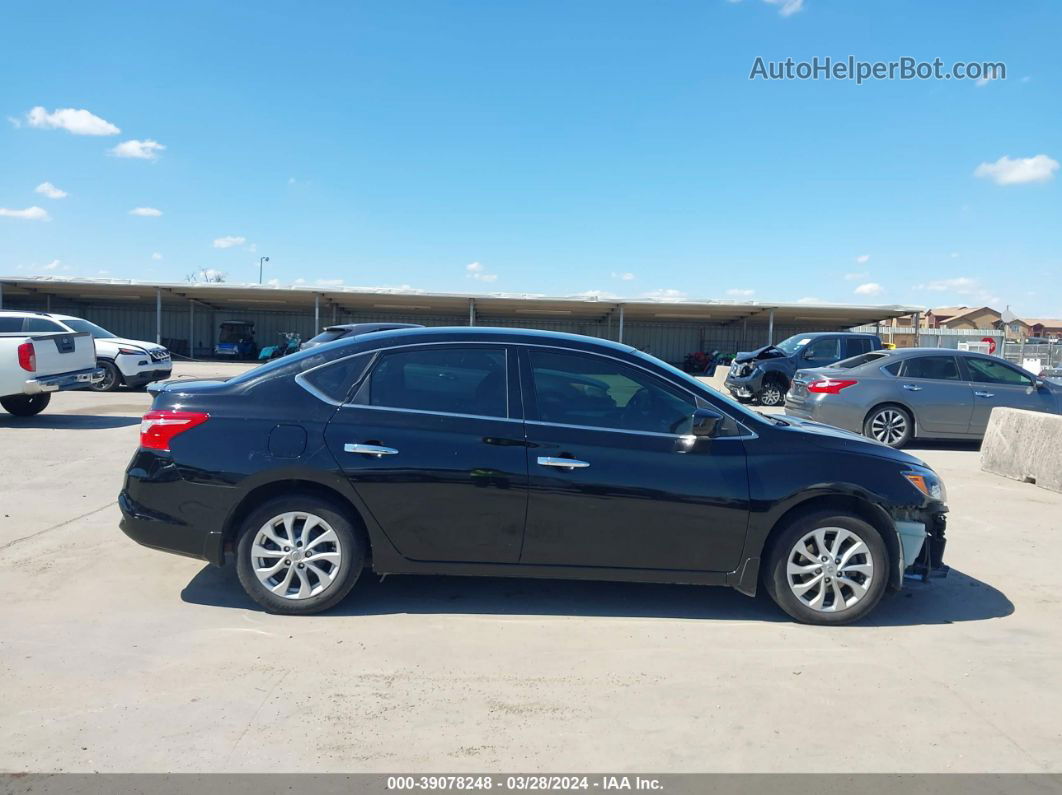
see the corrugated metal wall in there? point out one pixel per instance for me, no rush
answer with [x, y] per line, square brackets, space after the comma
[670, 341]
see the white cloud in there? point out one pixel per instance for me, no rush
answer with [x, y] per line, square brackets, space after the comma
[1016, 171]
[856, 276]
[594, 295]
[862, 259]
[954, 255]
[810, 299]
[326, 282]
[966, 286]
[739, 293]
[140, 150]
[229, 241]
[870, 288]
[273, 282]
[156, 256]
[29, 214]
[788, 7]
[49, 190]
[146, 212]
[668, 294]
[623, 276]
[478, 271]
[51, 266]
[78, 122]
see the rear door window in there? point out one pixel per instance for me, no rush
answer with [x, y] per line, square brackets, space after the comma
[935, 368]
[858, 345]
[458, 380]
[10, 324]
[37, 325]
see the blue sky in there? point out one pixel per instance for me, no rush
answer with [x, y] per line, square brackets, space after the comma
[555, 147]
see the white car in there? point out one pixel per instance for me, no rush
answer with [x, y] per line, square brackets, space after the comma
[130, 362]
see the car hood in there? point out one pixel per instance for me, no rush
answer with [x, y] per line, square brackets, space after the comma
[147, 346]
[836, 439]
[766, 352]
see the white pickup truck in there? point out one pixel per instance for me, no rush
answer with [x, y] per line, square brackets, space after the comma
[32, 366]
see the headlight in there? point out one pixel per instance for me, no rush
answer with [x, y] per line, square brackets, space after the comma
[927, 482]
[132, 351]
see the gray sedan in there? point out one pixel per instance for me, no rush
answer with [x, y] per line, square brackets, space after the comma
[929, 393]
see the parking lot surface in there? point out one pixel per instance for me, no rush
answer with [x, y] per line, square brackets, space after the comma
[117, 658]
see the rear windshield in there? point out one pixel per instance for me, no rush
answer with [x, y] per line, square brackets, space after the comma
[860, 360]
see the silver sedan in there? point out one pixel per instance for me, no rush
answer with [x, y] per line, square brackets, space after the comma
[929, 393]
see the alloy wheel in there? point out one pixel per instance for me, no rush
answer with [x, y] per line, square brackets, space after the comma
[889, 426]
[296, 555]
[771, 395]
[830, 569]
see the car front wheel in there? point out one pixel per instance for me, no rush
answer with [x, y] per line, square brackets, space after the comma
[112, 378]
[298, 554]
[26, 405]
[772, 394]
[827, 568]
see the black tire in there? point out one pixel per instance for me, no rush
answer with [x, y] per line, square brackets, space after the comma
[773, 392]
[26, 405]
[112, 377]
[783, 549]
[350, 543]
[889, 424]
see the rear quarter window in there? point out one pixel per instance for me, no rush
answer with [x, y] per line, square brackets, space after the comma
[336, 380]
[9, 325]
[894, 368]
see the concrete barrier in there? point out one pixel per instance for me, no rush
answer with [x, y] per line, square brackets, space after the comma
[1024, 445]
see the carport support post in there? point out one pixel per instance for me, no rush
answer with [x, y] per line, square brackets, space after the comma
[191, 329]
[917, 329]
[1, 295]
[620, 338]
[316, 313]
[471, 311]
[770, 328]
[158, 316]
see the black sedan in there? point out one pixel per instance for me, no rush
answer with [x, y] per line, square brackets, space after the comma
[505, 452]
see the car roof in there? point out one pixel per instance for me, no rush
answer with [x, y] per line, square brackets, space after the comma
[485, 333]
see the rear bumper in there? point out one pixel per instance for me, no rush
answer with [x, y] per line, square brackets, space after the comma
[79, 379]
[821, 408]
[169, 534]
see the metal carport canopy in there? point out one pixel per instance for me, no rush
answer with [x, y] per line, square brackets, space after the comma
[384, 300]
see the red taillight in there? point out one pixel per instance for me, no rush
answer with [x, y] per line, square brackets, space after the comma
[27, 357]
[158, 428]
[830, 386]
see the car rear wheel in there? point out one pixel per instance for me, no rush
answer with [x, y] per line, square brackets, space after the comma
[827, 568]
[111, 380]
[26, 405]
[772, 394]
[298, 554]
[891, 425]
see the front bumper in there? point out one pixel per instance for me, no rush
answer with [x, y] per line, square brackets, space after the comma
[744, 386]
[147, 376]
[79, 379]
[922, 543]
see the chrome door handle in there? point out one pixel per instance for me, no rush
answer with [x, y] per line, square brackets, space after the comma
[564, 463]
[369, 449]
[985, 394]
[912, 388]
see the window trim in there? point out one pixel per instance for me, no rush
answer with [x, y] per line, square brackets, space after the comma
[749, 433]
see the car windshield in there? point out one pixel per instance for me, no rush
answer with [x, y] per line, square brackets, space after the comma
[793, 344]
[81, 326]
[860, 360]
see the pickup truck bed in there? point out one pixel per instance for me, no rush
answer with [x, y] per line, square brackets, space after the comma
[32, 366]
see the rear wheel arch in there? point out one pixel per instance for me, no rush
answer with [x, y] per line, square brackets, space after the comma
[292, 487]
[870, 513]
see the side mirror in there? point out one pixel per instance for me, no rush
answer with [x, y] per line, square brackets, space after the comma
[706, 423]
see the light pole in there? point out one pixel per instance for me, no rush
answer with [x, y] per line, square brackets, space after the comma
[260, 261]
